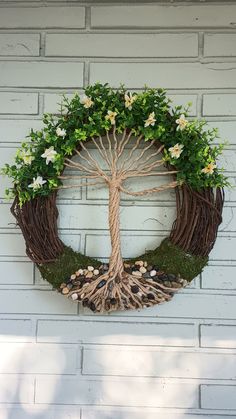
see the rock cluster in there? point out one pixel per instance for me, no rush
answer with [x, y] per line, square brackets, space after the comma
[139, 269]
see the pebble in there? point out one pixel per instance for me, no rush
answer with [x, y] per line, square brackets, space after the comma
[134, 289]
[81, 271]
[74, 296]
[101, 284]
[153, 273]
[65, 291]
[137, 273]
[96, 272]
[171, 277]
[163, 277]
[126, 265]
[90, 268]
[139, 263]
[142, 269]
[145, 264]
[150, 296]
[73, 276]
[149, 268]
[63, 285]
[89, 275]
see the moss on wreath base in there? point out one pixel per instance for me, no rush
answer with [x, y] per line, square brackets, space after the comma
[168, 257]
[172, 259]
[66, 264]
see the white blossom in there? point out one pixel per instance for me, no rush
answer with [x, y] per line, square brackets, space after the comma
[37, 183]
[111, 116]
[27, 157]
[151, 120]
[176, 150]
[60, 132]
[49, 154]
[86, 101]
[129, 100]
[181, 122]
[209, 169]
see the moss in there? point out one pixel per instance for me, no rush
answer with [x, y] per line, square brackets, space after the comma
[172, 259]
[66, 264]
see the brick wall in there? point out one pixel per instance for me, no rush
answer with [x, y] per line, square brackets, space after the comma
[176, 361]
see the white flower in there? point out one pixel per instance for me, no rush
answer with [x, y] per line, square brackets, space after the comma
[37, 183]
[176, 150]
[151, 120]
[26, 157]
[209, 169]
[181, 122]
[60, 132]
[49, 154]
[86, 101]
[111, 116]
[129, 100]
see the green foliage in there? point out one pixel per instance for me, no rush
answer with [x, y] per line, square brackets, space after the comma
[172, 259]
[80, 120]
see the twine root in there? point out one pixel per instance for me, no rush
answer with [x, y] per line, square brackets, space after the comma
[114, 291]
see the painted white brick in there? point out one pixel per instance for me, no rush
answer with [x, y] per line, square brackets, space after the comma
[129, 393]
[115, 413]
[219, 105]
[42, 17]
[122, 45]
[18, 103]
[16, 389]
[15, 130]
[160, 16]
[167, 75]
[12, 245]
[48, 412]
[40, 359]
[183, 100]
[218, 336]
[230, 193]
[16, 330]
[16, 273]
[219, 277]
[52, 102]
[229, 220]
[41, 74]
[7, 220]
[224, 249]
[218, 397]
[227, 130]
[220, 45]
[132, 245]
[35, 302]
[127, 333]
[204, 306]
[109, 361]
[132, 218]
[19, 44]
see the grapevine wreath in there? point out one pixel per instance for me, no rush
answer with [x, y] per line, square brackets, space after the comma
[160, 141]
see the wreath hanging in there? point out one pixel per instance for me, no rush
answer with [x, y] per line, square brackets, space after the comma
[112, 120]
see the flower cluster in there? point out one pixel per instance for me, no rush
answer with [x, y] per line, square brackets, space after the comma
[149, 114]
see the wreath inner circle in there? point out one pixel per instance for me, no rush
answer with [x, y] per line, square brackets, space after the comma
[168, 141]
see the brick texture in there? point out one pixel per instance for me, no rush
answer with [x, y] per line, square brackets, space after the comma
[58, 360]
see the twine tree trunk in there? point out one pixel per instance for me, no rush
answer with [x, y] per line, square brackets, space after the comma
[116, 289]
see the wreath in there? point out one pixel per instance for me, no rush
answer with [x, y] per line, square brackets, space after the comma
[158, 137]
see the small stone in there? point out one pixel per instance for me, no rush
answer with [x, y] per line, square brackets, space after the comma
[176, 284]
[134, 289]
[150, 296]
[149, 268]
[167, 283]
[63, 285]
[171, 277]
[153, 273]
[146, 275]
[69, 285]
[80, 271]
[73, 276]
[65, 291]
[105, 267]
[77, 273]
[138, 274]
[126, 265]
[92, 306]
[101, 284]
[128, 270]
[90, 268]
[89, 275]
[143, 270]
[163, 277]
[185, 283]
[74, 296]
[113, 301]
[145, 264]
[96, 272]
[139, 263]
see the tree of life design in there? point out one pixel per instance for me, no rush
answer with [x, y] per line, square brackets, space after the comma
[116, 284]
